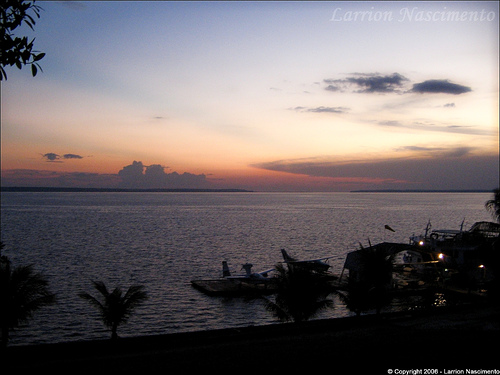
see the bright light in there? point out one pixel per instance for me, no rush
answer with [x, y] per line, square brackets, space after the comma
[421, 243]
[441, 256]
[481, 266]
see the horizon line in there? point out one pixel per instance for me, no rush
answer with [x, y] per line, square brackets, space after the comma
[222, 190]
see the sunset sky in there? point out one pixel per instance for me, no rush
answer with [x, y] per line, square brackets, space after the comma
[266, 96]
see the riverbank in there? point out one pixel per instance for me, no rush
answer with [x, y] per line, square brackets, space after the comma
[444, 338]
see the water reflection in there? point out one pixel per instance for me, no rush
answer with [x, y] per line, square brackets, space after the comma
[425, 300]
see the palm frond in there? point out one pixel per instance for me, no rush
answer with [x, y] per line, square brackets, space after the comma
[23, 291]
[101, 288]
[134, 296]
[94, 301]
[493, 205]
[115, 308]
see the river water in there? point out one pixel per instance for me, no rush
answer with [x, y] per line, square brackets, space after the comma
[164, 240]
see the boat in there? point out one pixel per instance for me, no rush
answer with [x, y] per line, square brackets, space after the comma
[255, 282]
[244, 284]
[412, 267]
[318, 264]
[459, 246]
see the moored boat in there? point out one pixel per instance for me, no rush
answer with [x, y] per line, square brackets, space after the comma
[228, 284]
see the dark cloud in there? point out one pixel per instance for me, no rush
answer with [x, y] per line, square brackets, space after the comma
[392, 83]
[139, 176]
[134, 176]
[449, 105]
[51, 157]
[440, 86]
[377, 83]
[56, 158]
[454, 168]
[72, 156]
[41, 178]
[368, 83]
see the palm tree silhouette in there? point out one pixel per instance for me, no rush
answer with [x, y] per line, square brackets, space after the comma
[115, 307]
[493, 205]
[301, 294]
[22, 292]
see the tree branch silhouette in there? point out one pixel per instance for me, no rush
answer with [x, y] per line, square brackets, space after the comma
[16, 50]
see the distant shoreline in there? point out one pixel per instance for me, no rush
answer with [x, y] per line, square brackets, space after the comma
[422, 191]
[114, 190]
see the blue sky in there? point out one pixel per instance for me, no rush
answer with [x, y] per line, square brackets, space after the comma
[293, 96]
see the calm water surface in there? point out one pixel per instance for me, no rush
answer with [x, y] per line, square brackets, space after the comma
[164, 240]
